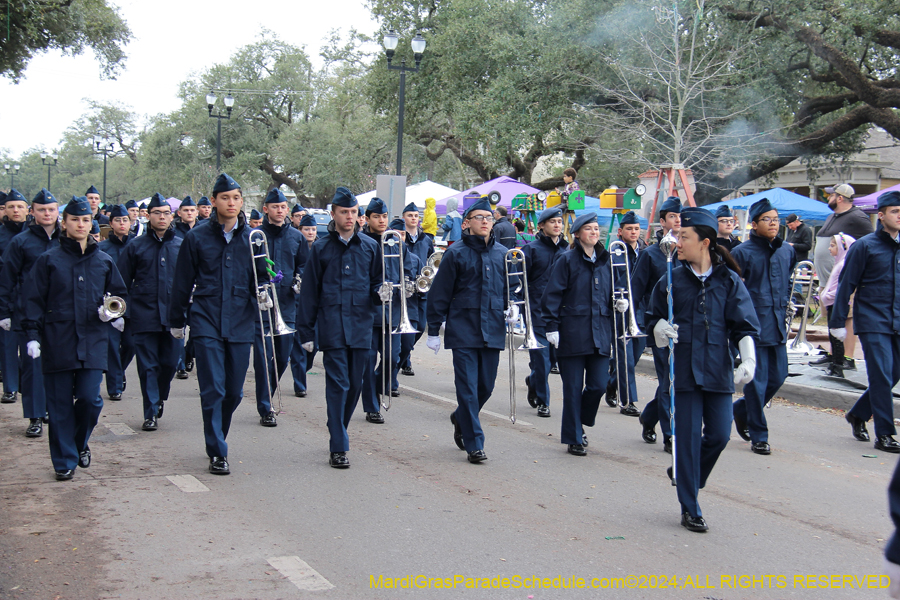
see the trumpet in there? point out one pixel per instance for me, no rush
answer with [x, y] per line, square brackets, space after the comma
[799, 345]
[424, 281]
[267, 306]
[517, 273]
[623, 303]
[113, 307]
[389, 239]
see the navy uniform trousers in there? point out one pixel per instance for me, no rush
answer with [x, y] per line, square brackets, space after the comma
[121, 352]
[279, 351]
[302, 361]
[157, 357]
[344, 370]
[771, 371]
[657, 410]
[71, 423]
[34, 403]
[375, 378]
[10, 364]
[539, 363]
[584, 379]
[626, 359]
[883, 371]
[221, 368]
[475, 371]
[695, 454]
[409, 340]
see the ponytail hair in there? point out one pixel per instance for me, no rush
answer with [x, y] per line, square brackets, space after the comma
[717, 254]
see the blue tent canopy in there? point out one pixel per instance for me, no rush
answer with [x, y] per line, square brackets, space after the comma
[810, 211]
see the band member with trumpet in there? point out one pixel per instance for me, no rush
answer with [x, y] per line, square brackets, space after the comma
[301, 360]
[340, 281]
[872, 266]
[710, 306]
[18, 259]
[540, 255]
[288, 250]
[577, 308]
[121, 344]
[649, 269]
[216, 259]
[423, 247]
[470, 293]
[147, 265]
[628, 352]
[767, 264]
[13, 225]
[65, 316]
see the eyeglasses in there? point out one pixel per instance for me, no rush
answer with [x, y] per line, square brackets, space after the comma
[485, 218]
[726, 221]
[768, 220]
[161, 213]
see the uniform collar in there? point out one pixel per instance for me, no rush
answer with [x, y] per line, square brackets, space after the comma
[239, 226]
[168, 235]
[13, 226]
[38, 230]
[884, 235]
[273, 230]
[546, 239]
[761, 241]
[337, 237]
[73, 247]
[476, 242]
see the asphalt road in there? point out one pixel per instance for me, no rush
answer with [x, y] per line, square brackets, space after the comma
[286, 525]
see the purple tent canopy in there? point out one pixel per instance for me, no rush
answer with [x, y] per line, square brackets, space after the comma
[174, 203]
[508, 187]
[870, 202]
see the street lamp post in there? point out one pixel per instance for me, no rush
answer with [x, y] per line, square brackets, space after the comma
[12, 172]
[390, 46]
[49, 160]
[229, 104]
[105, 147]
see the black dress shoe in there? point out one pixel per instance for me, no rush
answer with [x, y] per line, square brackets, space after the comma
[696, 524]
[577, 450]
[667, 443]
[543, 410]
[46, 418]
[859, 427]
[741, 426]
[218, 465]
[395, 393]
[612, 396]
[457, 432]
[835, 370]
[339, 460]
[763, 448]
[408, 371]
[887, 443]
[648, 433]
[630, 411]
[84, 458]
[554, 369]
[584, 441]
[150, 424]
[124, 383]
[669, 475]
[35, 428]
[300, 393]
[532, 393]
[115, 397]
[65, 475]
[268, 420]
[8, 398]
[189, 366]
[181, 374]
[375, 417]
[477, 456]
[162, 407]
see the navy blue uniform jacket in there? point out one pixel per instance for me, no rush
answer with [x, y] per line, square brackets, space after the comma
[62, 296]
[540, 255]
[224, 306]
[147, 266]
[766, 269]
[8, 230]
[708, 314]
[411, 269]
[288, 249]
[113, 245]
[469, 293]
[339, 286]
[578, 302]
[871, 267]
[18, 258]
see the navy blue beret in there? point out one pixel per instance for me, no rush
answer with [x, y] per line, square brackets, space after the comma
[156, 201]
[411, 207]
[95, 227]
[275, 196]
[549, 213]
[629, 218]
[42, 197]
[297, 208]
[693, 216]
[724, 212]
[888, 199]
[481, 204]
[760, 207]
[344, 198]
[131, 204]
[376, 206]
[78, 207]
[15, 195]
[188, 201]
[224, 183]
[2, 198]
[92, 190]
[583, 220]
[117, 210]
[254, 215]
[398, 224]
[671, 205]
[204, 201]
[308, 221]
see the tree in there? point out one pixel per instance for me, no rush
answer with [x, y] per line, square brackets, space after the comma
[28, 27]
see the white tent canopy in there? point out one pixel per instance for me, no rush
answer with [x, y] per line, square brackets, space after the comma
[417, 193]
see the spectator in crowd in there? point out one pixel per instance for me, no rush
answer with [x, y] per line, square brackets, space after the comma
[836, 360]
[504, 231]
[800, 236]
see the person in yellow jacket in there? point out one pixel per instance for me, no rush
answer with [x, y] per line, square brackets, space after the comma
[429, 223]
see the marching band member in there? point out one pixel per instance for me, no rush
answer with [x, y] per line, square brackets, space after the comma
[18, 259]
[469, 293]
[121, 343]
[767, 264]
[577, 312]
[204, 208]
[339, 280]
[711, 306]
[187, 216]
[64, 318]
[297, 214]
[628, 352]
[650, 267]
[872, 267]
[13, 225]
[93, 197]
[255, 219]
[147, 265]
[216, 258]
[422, 246]
[725, 220]
[301, 360]
[540, 255]
[288, 250]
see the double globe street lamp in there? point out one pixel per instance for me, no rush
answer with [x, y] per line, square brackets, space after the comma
[49, 160]
[229, 104]
[390, 46]
[106, 147]
[12, 172]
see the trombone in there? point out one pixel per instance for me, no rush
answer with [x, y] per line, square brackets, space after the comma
[799, 345]
[389, 239]
[515, 268]
[424, 281]
[623, 304]
[267, 307]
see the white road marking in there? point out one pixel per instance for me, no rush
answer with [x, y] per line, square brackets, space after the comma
[120, 429]
[187, 483]
[300, 574]
[453, 402]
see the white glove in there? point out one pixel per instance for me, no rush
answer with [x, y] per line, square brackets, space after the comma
[621, 305]
[745, 371]
[119, 324]
[892, 570]
[553, 338]
[296, 288]
[177, 332]
[663, 332]
[5, 324]
[434, 343]
[103, 316]
[839, 334]
[512, 314]
[308, 346]
[264, 300]
[386, 291]
[34, 349]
